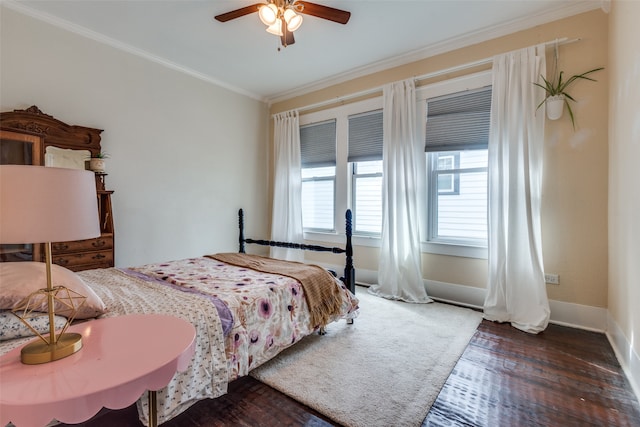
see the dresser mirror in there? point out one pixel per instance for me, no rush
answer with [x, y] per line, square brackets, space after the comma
[56, 157]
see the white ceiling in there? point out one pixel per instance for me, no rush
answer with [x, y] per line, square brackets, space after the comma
[242, 56]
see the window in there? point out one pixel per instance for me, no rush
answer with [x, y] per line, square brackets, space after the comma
[453, 121]
[347, 176]
[365, 159]
[459, 217]
[318, 197]
[318, 161]
[456, 140]
[367, 197]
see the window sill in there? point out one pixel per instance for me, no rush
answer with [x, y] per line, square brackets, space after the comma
[454, 250]
[340, 239]
[425, 247]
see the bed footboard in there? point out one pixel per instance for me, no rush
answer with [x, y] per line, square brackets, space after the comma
[349, 272]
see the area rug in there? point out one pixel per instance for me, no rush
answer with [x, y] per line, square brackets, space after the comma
[386, 369]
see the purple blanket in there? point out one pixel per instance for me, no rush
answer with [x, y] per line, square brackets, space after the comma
[226, 317]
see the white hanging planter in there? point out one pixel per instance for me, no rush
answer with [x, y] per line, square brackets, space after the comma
[554, 106]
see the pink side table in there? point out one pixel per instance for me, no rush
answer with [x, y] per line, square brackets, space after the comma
[121, 358]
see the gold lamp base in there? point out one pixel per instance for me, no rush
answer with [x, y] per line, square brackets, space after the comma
[41, 352]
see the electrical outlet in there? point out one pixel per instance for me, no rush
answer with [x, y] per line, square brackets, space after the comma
[552, 279]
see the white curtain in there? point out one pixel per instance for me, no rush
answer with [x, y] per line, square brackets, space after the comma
[400, 271]
[516, 290]
[286, 220]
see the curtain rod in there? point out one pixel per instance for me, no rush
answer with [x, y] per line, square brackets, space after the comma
[485, 61]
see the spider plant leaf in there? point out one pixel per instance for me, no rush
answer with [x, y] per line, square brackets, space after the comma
[548, 86]
[545, 88]
[581, 76]
[560, 84]
[573, 123]
[587, 78]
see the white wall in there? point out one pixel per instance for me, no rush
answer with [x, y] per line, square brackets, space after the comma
[185, 154]
[624, 194]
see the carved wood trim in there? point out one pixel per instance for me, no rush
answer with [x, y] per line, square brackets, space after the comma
[53, 131]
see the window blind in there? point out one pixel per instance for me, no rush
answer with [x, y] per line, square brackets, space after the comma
[318, 144]
[365, 136]
[459, 121]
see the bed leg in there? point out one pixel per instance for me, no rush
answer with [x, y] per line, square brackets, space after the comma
[322, 331]
[349, 321]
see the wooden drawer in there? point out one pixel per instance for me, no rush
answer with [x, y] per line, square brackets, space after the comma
[103, 242]
[89, 266]
[85, 260]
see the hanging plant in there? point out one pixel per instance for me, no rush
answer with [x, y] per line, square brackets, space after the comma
[556, 90]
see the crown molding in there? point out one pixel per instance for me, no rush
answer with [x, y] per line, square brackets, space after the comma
[570, 9]
[101, 38]
[561, 12]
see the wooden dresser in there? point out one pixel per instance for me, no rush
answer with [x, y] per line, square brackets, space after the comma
[41, 131]
[91, 253]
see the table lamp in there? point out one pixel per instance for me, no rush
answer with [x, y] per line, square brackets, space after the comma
[42, 205]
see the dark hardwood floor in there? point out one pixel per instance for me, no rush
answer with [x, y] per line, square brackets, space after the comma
[560, 377]
[505, 377]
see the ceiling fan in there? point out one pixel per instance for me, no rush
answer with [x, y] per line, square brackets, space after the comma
[283, 17]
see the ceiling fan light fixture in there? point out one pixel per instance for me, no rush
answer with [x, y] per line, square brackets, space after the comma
[283, 17]
[293, 20]
[268, 14]
[275, 28]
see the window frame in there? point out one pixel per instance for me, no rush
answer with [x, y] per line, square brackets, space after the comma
[343, 195]
[320, 178]
[354, 176]
[342, 192]
[465, 248]
[434, 194]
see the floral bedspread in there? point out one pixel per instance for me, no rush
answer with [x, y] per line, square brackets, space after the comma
[206, 375]
[269, 311]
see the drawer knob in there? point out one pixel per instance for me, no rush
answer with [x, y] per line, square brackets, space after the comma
[99, 243]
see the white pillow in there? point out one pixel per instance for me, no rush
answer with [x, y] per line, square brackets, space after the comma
[11, 327]
[20, 279]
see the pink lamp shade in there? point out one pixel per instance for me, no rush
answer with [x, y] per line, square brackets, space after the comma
[42, 204]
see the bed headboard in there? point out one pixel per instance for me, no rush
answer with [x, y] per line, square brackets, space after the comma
[349, 277]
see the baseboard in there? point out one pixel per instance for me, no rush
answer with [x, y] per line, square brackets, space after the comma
[562, 313]
[578, 316]
[466, 296]
[628, 358]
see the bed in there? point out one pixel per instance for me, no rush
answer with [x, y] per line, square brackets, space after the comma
[243, 316]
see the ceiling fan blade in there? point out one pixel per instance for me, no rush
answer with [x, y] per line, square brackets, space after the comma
[286, 38]
[325, 12]
[238, 13]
